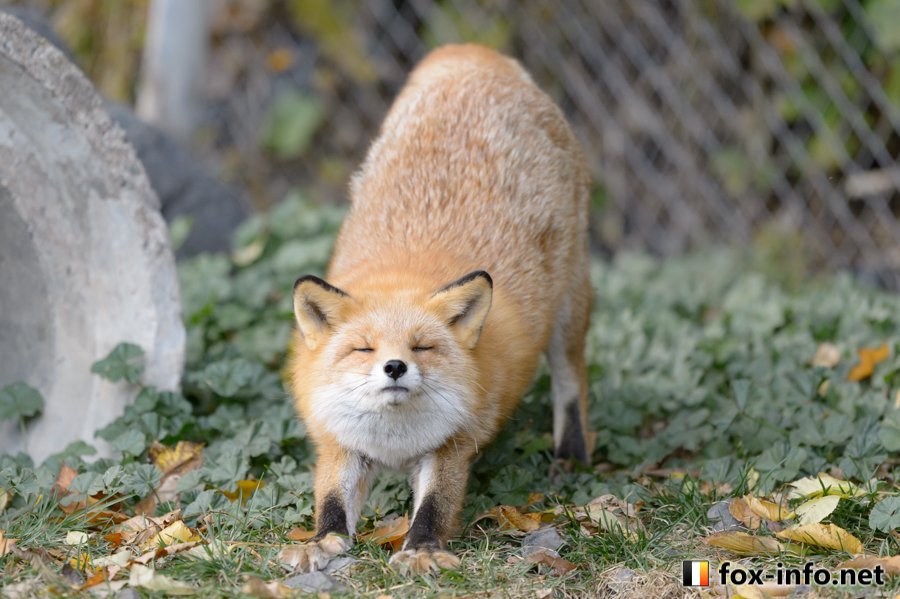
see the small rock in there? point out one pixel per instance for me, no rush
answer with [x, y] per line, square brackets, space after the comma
[128, 593]
[339, 563]
[314, 582]
[544, 537]
[721, 519]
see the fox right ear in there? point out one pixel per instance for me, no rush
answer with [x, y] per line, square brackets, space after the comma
[318, 307]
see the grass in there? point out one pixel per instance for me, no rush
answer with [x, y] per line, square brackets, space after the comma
[703, 391]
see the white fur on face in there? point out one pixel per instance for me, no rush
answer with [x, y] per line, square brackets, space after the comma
[392, 427]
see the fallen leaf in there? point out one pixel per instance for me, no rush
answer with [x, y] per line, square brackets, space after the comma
[548, 557]
[891, 565]
[280, 59]
[823, 535]
[510, 519]
[176, 532]
[76, 537]
[824, 484]
[4, 499]
[391, 532]
[869, 357]
[245, 490]
[300, 534]
[139, 528]
[6, 544]
[274, 589]
[816, 510]
[767, 510]
[209, 551]
[182, 458]
[607, 520]
[65, 477]
[82, 562]
[147, 578]
[744, 544]
[827, 356]
[161, 552]
[120, 558]
[740, 509]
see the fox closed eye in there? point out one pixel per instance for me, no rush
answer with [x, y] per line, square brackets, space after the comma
[419, 348]
[364, 349]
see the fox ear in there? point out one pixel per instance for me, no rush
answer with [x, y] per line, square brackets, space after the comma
[464, 304]
[318, 307]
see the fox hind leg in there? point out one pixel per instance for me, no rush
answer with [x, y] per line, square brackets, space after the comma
[568, 372]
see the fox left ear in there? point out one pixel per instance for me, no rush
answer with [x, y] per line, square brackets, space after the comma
[318, 306]
[464, 304]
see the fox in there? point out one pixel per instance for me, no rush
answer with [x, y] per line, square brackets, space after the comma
[462, 259]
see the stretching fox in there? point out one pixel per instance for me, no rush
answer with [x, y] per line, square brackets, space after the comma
[463, 257]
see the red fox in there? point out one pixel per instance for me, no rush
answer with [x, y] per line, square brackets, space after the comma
[463, 257]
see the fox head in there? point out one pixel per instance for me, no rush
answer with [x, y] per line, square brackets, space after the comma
[391, 371]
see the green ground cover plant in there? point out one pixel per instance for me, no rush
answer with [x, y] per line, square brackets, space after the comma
[714, 388]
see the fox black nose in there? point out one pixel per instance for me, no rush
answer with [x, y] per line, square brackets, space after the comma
[395, 368]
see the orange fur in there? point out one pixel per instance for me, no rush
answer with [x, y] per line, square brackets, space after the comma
[474, 169]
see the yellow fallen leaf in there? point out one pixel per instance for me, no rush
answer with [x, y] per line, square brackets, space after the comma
[816, 510]
[82, 562]
[767, 510]
[824, 484]
[120, 558]
[391, 532]
[147, 578]
[740, 509]
[183, 457]
[830, 536]
[891, 565]
[300, 534]
[744, 544]
[827, 355]
[509, 518]
[609, 521]
[76, 537]
[177, 532]
[245, 490]
[746, 591]
[6, 544]
[257, 587]
[869, 357]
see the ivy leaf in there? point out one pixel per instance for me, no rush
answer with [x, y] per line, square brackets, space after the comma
[126, 361]
[131, 442]
[19, 400]
[885, 516]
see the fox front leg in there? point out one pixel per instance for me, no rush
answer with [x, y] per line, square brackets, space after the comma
[439, 487]
[342, 479]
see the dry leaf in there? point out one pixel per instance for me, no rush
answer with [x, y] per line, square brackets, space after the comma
[300, 534]
[869, 357]
[161, 552]
[816, 510]
[76, 537]
[245, 490]
[740, 509]
[280, 60]
[4, 499]
[891, 565]
[824, 484]
[138, 529]
[209, 551]
[184, 457]
[6, 545]
[744, 544]
[823, 535]
[767, 510]
[177, 532]
[275, 589]
[120, 558]
[147, 578]
[827, 356]
[607, 520]
[510, 519]
[548, 557]
[65, 477]
[391, 532]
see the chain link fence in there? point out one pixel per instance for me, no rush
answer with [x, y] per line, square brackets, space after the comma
[704, 121]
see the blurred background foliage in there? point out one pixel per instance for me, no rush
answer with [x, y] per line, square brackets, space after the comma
[767, 121]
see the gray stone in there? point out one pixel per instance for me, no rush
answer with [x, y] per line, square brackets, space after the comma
[544, 537]
[314, 582]
[339, 563]
[720, 518]
[85, 261]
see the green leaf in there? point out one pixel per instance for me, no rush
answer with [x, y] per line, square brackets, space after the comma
[885, 516]
[131, 442]
[19, 400]
[292, 122]
[126, 361]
